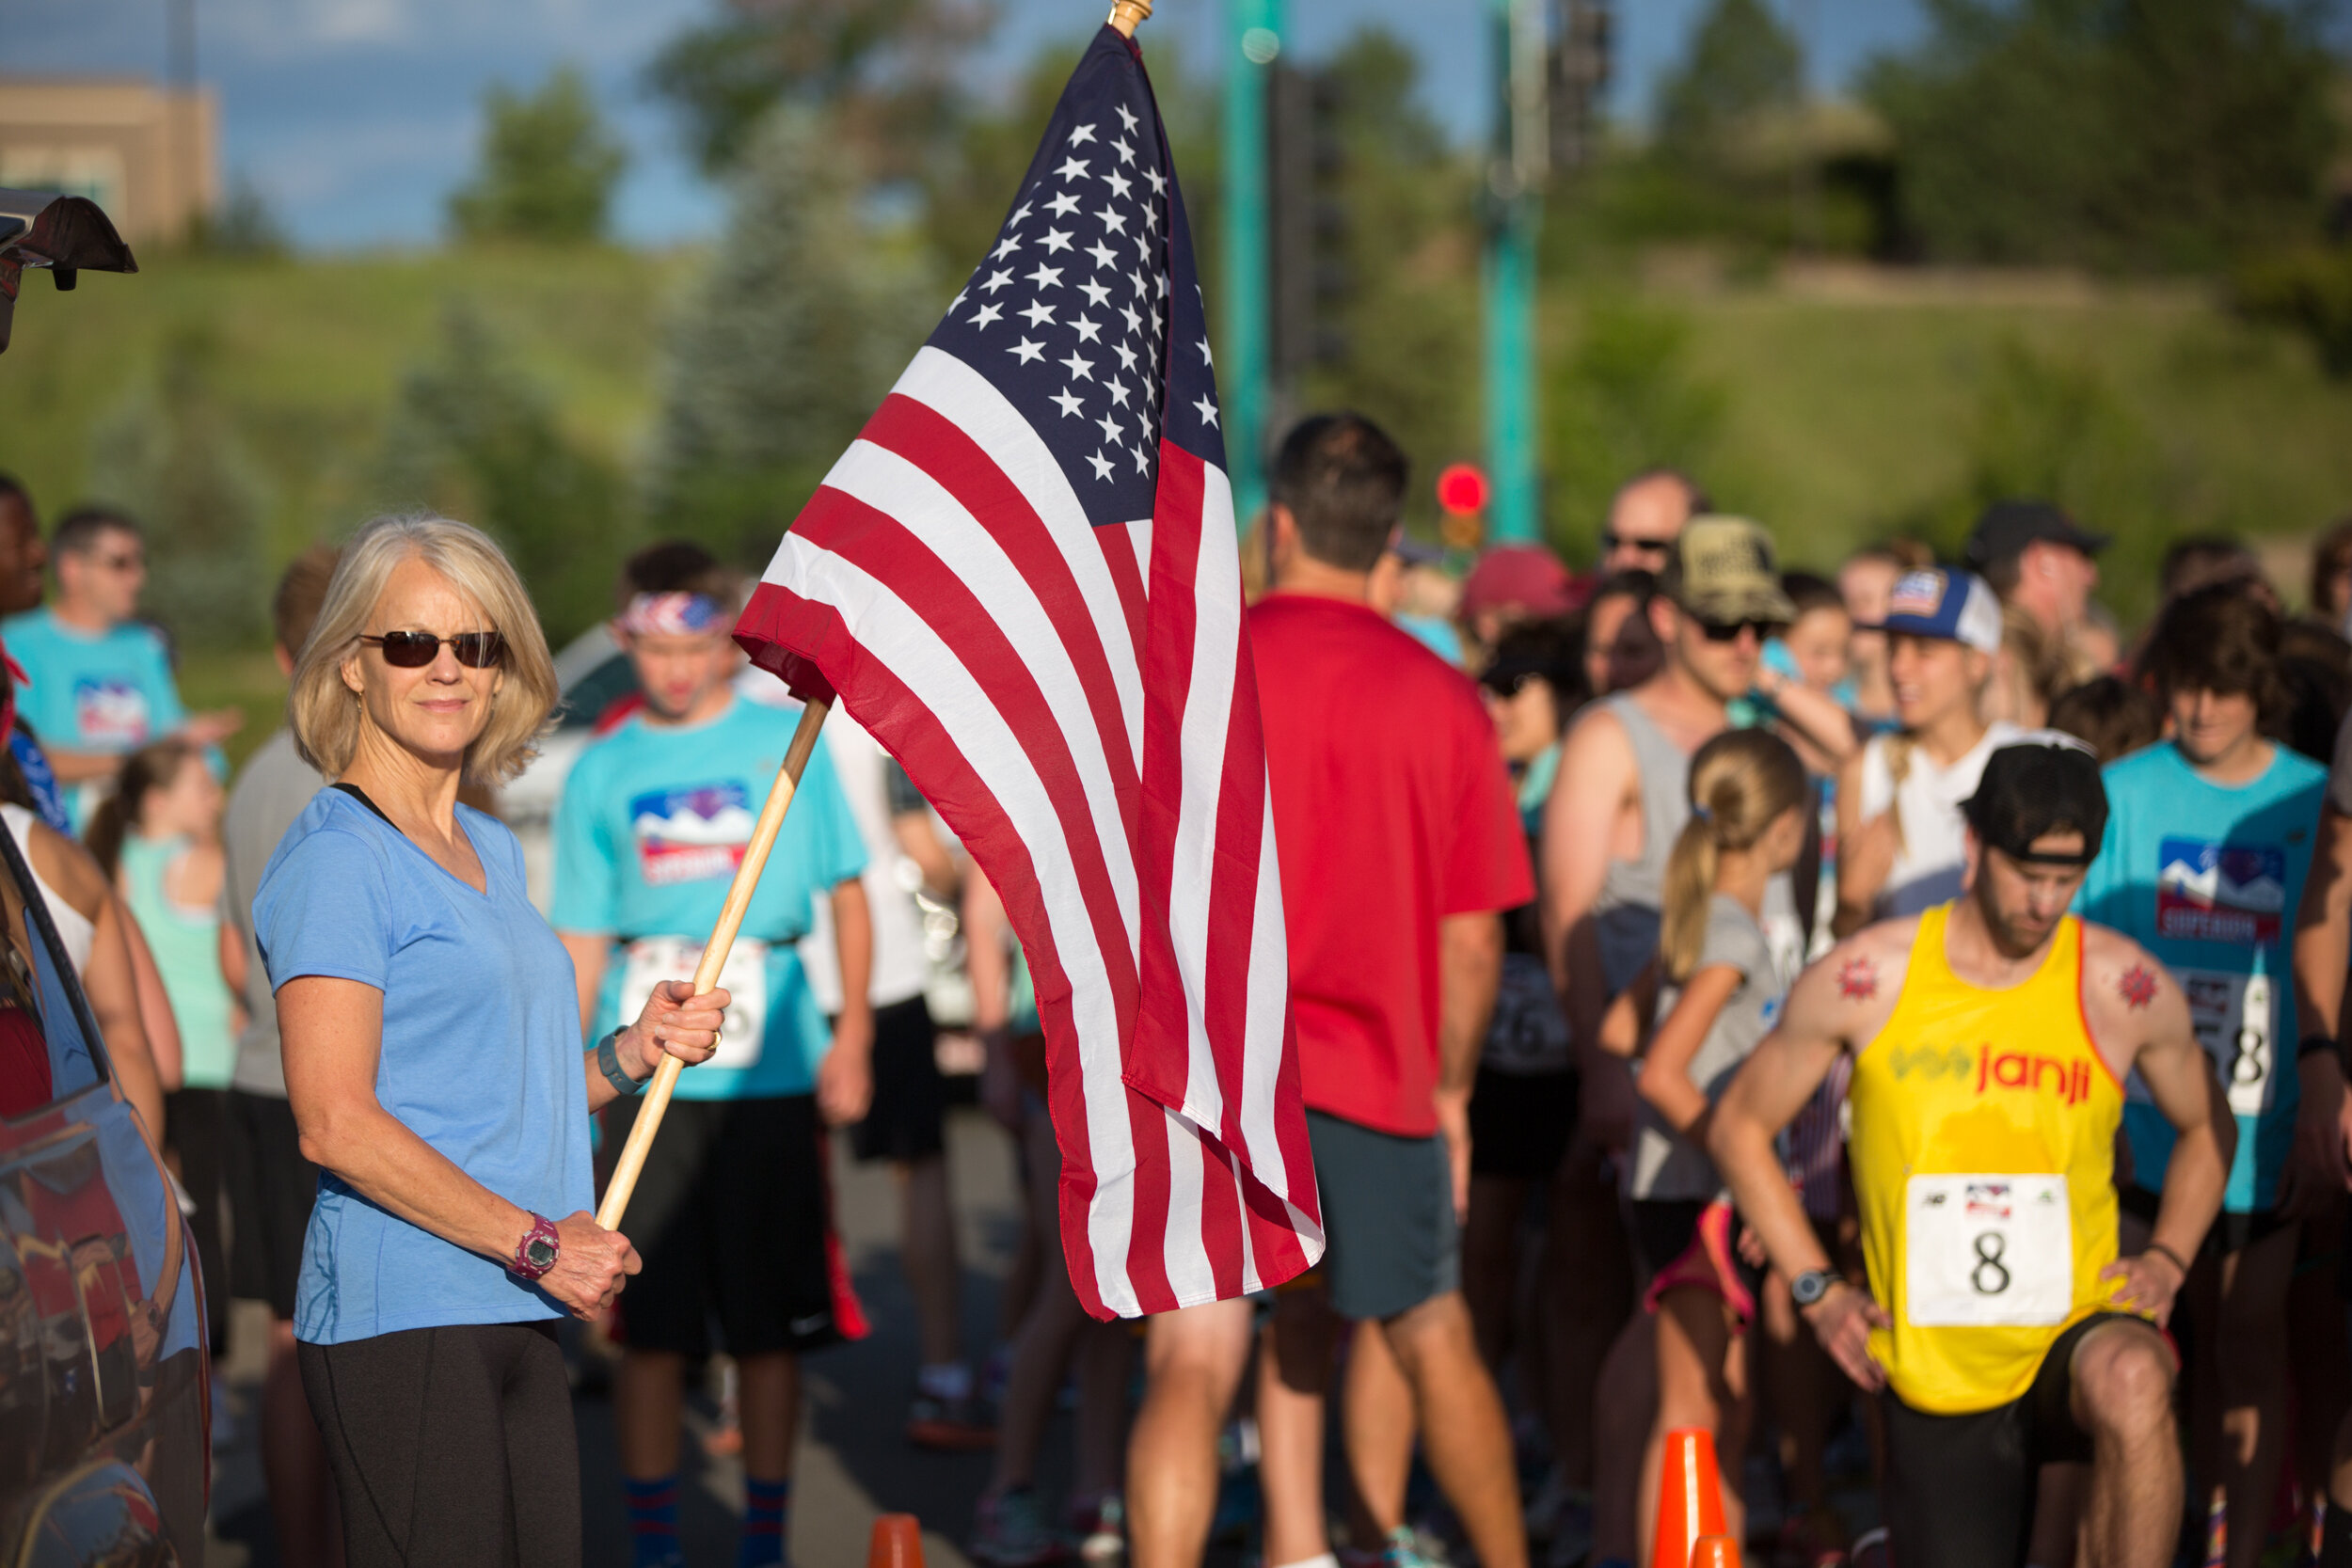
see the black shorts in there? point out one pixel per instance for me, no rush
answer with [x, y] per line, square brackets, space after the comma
[1520, 1122]
[732, 1218]
[196, 1128]
[271, 1187]
[1391, 1239]
[906, 1119]
[1960, 1489]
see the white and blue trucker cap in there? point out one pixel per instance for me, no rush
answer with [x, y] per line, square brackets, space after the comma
[1946, 602]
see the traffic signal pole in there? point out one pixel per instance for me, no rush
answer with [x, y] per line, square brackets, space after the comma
[1254, 38]
[1513, 220]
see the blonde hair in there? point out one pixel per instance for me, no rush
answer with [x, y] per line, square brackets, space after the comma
[326, 716]
[1741, 783]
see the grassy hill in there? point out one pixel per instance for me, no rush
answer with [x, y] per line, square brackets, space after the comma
[1835, 405]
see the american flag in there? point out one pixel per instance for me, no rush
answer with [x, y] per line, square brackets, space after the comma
[1023, 580]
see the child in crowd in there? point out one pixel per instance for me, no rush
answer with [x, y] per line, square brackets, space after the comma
[1716, 993]
[2109, 715]
[158, 836]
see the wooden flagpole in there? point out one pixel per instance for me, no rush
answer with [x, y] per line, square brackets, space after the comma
[657, 1102]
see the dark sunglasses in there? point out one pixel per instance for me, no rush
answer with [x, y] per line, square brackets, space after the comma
[1623, 542]
[1508, 683]
[414, 650]
[1728, 631]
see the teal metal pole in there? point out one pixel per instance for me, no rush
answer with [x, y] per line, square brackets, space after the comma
[1255, 34]
[1514, 217]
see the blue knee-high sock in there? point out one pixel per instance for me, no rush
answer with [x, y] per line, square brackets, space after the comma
[653, 1522]
[764, 1505]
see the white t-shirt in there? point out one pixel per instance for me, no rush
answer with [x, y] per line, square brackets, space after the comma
[1930, 862]
[899, 968]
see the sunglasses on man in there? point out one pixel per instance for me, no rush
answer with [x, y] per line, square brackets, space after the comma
[1728, 631]
[414, 650]
[1614, 542]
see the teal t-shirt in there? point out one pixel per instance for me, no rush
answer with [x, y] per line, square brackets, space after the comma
[110, 694]
[2207, 878]
[653, 822]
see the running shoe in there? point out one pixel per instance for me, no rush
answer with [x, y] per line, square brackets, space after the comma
[953, 1426]
[1401, 1547]
[1099, 1528]
[1009, 1531]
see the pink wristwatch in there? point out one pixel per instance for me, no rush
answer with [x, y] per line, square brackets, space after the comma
[536, 1253]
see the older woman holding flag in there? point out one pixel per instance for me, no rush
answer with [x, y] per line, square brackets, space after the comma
[433, 1059]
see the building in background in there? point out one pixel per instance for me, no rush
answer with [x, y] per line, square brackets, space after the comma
[148, 154]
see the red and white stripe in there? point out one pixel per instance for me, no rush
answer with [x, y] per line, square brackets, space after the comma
[1078, 703]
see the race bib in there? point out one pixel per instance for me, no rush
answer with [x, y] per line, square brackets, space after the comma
[1988, 1252]
[653, 960]
[2236, 1017]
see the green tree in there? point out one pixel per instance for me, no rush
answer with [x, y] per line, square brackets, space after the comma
[804, 318]
[1624, 400]
[1742, 64]
[885, 68]
[172, 456]
[548, 169]
[2154, 133]
[473, 437]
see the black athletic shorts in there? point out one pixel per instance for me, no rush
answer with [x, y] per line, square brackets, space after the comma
[906, 1119]
[1960, 1489]
[1520, 1122]
[731, 1218]
[196, 1128]
[1391, 1238]
[271, 1187]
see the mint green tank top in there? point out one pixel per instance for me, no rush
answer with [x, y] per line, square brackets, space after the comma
[186, 944]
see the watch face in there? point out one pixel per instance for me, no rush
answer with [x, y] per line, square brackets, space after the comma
[541, 1252]
[1806, 1289]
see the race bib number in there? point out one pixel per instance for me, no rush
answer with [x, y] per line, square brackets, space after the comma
[654, 959]
[1988, 1252]
[2236, 1017]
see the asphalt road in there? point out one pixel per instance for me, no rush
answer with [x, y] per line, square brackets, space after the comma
[854, 1462]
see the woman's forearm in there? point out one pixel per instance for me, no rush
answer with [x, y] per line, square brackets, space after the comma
[376, 1155]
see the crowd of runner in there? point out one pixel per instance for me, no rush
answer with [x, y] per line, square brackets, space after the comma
[1884, 1018]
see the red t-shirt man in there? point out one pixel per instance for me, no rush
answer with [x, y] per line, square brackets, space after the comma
[1391, 810]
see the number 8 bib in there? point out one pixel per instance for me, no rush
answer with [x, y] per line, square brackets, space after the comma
[1988, 1251]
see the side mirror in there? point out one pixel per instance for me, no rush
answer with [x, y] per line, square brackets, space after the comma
[63, 233]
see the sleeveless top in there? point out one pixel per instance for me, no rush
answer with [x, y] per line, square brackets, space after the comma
[1983, 1160]
[1625, 916]
[186, 944]
[1928, 859]
[74, 929]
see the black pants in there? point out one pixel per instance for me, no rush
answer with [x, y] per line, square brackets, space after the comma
[450, 1446]
[198, 1122]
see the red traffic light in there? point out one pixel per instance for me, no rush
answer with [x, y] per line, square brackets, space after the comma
[1462, 489]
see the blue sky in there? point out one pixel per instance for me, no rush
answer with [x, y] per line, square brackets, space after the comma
[355, 118]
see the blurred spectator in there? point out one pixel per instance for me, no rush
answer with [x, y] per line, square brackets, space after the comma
[2195, 562]
[157, 836]
[2110, 714]
[1645, 516]
[23, 557]
[100, 684]
[2036, 558]
[271, 1183]
[1900, 836]
[1865, 582]
[2331, 576]
[1515, 583]
[1621, 647]
[2098, 642]
[2315, 667]
[2030, 669]
[1395, 948]
[1411, 587]
[1811, 652]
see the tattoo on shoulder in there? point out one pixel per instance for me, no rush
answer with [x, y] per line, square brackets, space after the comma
[1858, 980]
[2137, 987]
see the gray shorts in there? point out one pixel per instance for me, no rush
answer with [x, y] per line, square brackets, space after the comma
[1391, 1239]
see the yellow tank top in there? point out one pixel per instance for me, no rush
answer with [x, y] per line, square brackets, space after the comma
[1983, 1160]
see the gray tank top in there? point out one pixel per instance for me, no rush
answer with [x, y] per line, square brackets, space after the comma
[1625, 916]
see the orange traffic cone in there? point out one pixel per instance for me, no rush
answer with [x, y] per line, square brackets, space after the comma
[1689, 1497]
[1715, 1551]
[898, 1542]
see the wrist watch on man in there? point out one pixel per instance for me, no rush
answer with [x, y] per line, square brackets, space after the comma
[1812, 1285]
[536, 1253]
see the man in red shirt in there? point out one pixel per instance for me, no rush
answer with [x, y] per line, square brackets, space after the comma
[1399, 845]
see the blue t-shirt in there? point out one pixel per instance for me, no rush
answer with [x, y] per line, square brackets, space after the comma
[2207, 878]
[109, 694]
[480, 1058]
[654, 821]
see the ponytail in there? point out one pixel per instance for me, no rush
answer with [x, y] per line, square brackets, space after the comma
[152, 767]
[1741, 783]
[104, 836]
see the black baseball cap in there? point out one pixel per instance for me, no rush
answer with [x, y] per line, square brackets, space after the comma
[2042, 783]
[2007, 527]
